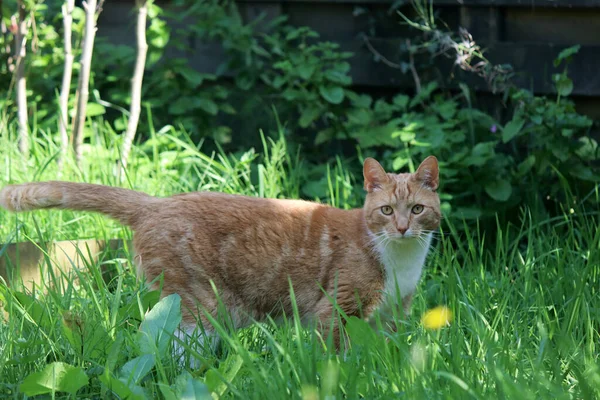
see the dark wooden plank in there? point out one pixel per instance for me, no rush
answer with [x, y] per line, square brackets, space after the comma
[552, 26]
[469, 3]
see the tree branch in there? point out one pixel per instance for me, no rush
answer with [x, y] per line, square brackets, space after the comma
[84, 76]
[136, 81]
[21, 89]
[67, 11]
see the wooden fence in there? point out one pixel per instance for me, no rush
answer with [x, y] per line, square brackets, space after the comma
[528, 34]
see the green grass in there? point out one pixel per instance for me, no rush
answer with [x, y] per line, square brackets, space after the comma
[526, 307]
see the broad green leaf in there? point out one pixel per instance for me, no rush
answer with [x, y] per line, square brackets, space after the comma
[146, 302]
[207, 105]
[195, 78]
[308, 115]
[588, 149]
[404, 135]
[324, 136]
[468, 212]
[92, 110]
[182, 105]
[564, 85]
[583, 172]
[537, 119]
[399, 163]
[480, 154]
[360, 332]
[305, 71]
[360, 116]
[159, 325]
[122, 389]
[499, 190]
[401, 101]
[512, 129]
[338, 77]
[185, 387]
[424, 94]
[566, 53]
[195, 390]
[55, 377]
[526, 165]
[333, 94]
[134, 370]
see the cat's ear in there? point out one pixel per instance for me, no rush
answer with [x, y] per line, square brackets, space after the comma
[375, 176]
[428, 173]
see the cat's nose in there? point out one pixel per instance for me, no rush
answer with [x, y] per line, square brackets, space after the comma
[402, 229]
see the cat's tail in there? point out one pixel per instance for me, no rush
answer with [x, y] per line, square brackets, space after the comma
[122, 204]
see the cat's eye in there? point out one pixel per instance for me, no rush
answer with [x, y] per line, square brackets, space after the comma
[417, 209]
[387, 210]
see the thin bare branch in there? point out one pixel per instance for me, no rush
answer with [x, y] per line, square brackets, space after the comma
[379, 55]
[67, 11]
[136, 81]
[413, 68]
[21, 88]
[84, 76]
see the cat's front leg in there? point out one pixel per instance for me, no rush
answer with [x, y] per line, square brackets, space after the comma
[190, 336]
[406, 303]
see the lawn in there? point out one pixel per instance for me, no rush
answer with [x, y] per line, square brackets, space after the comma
[524, 300]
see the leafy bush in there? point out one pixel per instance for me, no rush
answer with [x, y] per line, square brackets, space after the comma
[487, 167]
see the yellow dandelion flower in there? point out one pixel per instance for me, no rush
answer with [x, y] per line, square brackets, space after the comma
[437, 318]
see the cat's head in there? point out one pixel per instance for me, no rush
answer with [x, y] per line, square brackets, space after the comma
[402, 206]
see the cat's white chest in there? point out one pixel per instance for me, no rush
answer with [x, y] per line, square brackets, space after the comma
[403, 263]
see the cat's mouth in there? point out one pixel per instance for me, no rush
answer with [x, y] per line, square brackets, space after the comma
[401, 237]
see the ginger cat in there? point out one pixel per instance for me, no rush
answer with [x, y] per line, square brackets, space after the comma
[249, 247]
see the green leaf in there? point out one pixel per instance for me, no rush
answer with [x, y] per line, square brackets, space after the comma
[526, 165]
[94, 109]
[333, 94]
[305, 71]
[207, 105]
[324, 136]
[338, 77]
[227, 370]
[537, 119]
[122, 389]
[588, 149]
[308, 115]
[405, 136]
[159, 326]
[564, 85]
[499, 190]
[566, 54]
[131, 309]
[360, 116]
[195, 78]
[195, 390]
[182, 105]
[399, 163]
[512, 129]
[55, 377]
[134, 370]
[360, 332]
[582, 172]
[480, 154]
[186, 387]
[401, 101]
[468, 212]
